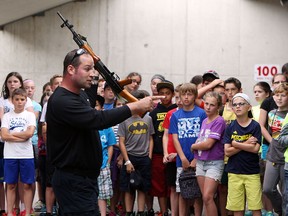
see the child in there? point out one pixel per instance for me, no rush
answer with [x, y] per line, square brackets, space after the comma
[30, 89]
[108, 139]
[17, 129]
[209, 151]
[13, 81]
[158, 182]
[185, 127]
[136, 144]
[170, 154]
[283, 141]
[242, 142]
[232, 86]
[274, 173]
[117, 199]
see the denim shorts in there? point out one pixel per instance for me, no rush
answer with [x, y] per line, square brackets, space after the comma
[211, 168]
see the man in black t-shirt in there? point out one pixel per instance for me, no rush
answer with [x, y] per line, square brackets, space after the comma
[73, 143]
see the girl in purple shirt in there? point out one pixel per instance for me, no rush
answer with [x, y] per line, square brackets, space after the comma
[209, 151]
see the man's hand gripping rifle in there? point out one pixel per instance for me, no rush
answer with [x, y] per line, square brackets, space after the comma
[111, 78]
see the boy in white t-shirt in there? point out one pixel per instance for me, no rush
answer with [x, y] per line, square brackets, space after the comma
[17, 129]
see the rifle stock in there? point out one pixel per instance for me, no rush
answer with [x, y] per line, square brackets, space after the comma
[111, 78]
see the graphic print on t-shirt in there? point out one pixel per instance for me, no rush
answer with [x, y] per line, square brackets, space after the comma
[189, 127]
[160, 118]
[138, 127]
[17, 124]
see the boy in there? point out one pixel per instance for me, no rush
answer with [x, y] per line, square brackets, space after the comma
[185, 127]
[30, 89]
[242, 140]
[136, 144]
[274, 173]
[17, 129]
[170, 154]
[158, 181]
[108, 139]
[232, 86]
[109, 97]
[49, 208]
[283, 141]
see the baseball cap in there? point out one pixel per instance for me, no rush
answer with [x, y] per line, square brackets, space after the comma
[165, 84]
[136, 180]
[211, 73]
[242, 95]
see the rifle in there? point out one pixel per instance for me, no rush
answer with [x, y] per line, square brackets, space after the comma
[111, 78]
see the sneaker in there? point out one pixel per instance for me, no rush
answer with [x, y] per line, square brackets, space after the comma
[3, 213]
[269, 213]
[43, 209]
[248, 213]
[54, 210]
[23, 213]
[38, 206]
[151, 212]
[111, 213]
[120, 209]
[16, 211]
[158, 213]
[263, 212]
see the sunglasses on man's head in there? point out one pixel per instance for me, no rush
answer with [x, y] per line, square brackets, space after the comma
[79, 52]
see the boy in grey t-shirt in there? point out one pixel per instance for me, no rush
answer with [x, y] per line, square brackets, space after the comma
[136, 144]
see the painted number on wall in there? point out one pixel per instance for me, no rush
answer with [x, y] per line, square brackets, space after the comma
[265, 72]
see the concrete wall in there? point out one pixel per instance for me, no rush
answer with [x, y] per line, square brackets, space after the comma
[177, 38]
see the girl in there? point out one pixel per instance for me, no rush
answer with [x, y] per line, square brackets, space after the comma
[13, 81]
[157, 78]
[136, 81]
[262, 91]
[209, 151]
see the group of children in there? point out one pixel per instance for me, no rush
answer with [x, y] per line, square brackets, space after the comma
[208, 125]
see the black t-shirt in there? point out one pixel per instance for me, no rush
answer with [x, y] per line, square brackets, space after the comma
[268, 104]
[73, 142]
[158, 116]
[243, 162]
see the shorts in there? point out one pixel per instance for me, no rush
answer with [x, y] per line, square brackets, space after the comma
[178, 172]
[42, 173]
[264, 151]
[224, 179]
[171, 172]
[1, 170]
[1, 150]
[105, 184]
[115, 170]
[49, 173]
[76, 195]
[143, 164]
[158, 178]
[36, 155]
[262, 164]
[244, 188]
[211, 168]
[12, 168]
